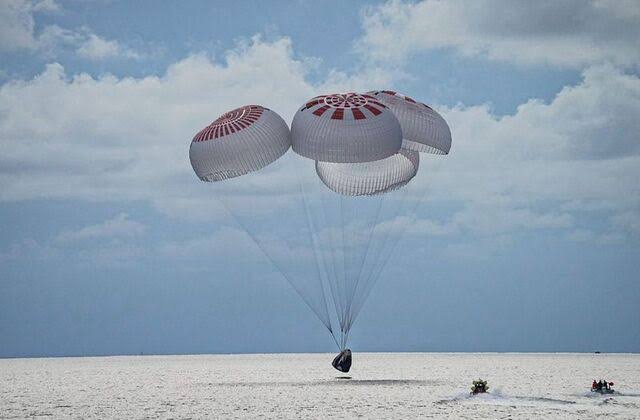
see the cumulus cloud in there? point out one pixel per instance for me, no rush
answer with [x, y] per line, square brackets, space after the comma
[17, 24]
[479, 219]
[112, 138]
[29, 249]
[120, 241]
[628, 221]
[18, 32]
[98, 48]
[118, 139]
[578, 155]
[224, 243]
[588, 129]
[598, 238]
[572, 33]
[117, 227]
[53, 39]
[111, 255]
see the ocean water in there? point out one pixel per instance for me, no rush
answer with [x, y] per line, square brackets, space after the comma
[380, 385]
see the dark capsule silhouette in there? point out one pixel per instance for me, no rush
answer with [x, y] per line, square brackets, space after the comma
[342, 361]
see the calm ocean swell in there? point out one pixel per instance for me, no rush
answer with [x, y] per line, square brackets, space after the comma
[380, 385]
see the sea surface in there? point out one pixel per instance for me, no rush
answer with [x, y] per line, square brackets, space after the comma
[380, 385]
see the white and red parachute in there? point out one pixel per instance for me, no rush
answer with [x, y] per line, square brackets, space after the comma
[241, 141]
[329, 231]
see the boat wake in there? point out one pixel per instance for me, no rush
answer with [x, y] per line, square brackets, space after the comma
[337, 381]
[497, 397]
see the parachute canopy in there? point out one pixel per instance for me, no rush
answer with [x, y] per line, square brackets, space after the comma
[241, 141]
[423, 129]
[334, 242]
[345, 128]
[370, 178]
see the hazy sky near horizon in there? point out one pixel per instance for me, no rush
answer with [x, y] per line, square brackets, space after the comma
[529, 239]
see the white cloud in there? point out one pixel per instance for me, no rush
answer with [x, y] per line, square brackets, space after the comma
[45, 6]
[588, 127]
[17, 23]
[578, 155]
[53, 40]
[567, 33]
[27, 249]
[480, 219]
[411, 226]
[113, 139]
[117, 242]
[625, 10]
[53, 37]
[628, 221]
[117, 227]
[586, 235]
[225, 243]
[491, 219]
[111, 255]
[97, 48]
[18, 32]
[481, 249]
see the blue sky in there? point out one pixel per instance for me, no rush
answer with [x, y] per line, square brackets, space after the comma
[528, 240]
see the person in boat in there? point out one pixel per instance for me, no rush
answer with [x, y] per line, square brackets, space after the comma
[594, 385]
[479, 387]
[600, 385]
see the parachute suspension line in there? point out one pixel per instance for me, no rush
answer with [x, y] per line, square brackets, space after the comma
[380, 254]
[403, 229]
[326, 322]
[344, 266]
[411, 214]
[397, 230]
[317, 253]
[312, 239]
[373, 256]
[344, 336]
[331, 233]
[384, 264]
[336, 235]
[364, 256]
[396, 212]
[335, 282]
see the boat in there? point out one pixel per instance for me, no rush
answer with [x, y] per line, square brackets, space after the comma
[607, 388]
[479, 387]
[603, 391]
